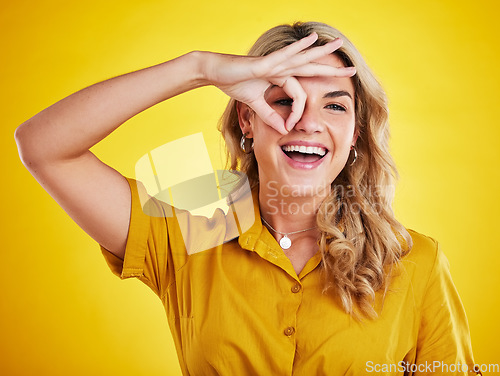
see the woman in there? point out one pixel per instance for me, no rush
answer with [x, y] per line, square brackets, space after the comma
[325, 280]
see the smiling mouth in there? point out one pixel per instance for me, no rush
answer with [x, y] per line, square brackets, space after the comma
[304, 154]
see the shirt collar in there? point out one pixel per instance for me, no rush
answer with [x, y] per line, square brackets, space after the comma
[258, 239]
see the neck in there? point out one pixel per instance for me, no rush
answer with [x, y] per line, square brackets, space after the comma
[287, 212]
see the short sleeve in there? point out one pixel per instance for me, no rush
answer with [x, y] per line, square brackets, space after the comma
[443, 338]
[147, 253]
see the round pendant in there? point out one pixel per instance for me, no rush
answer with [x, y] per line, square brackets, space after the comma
[285, 242]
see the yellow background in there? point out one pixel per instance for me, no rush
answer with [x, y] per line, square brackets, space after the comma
[61, 310]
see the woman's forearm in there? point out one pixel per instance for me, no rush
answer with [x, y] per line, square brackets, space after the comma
[67, 129]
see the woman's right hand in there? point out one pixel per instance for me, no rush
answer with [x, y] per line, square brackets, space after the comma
[246, 78]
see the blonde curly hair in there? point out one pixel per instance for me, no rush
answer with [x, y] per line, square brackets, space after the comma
[360, 239]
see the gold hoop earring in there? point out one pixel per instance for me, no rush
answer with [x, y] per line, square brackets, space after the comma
[243, 144]
[353, 148]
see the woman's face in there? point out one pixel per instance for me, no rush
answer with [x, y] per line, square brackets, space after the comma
[308, 159]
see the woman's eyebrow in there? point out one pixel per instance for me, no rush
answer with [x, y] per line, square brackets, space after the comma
[268, 90]
[337, 93]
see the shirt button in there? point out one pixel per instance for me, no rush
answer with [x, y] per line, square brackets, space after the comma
[289, 331]
[296, 288]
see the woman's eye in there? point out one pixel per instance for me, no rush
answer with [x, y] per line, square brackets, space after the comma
[284, 102]
[336, 107]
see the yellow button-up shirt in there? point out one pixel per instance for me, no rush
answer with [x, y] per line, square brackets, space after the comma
[239, 308]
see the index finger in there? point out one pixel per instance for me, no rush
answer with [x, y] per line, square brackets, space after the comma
[295, 91]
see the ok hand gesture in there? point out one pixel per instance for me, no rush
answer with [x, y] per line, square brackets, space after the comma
[246, 79]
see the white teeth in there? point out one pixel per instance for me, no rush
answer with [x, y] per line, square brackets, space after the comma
[305, 149]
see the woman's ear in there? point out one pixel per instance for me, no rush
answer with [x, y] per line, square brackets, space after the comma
[245, 119]
[355, 136]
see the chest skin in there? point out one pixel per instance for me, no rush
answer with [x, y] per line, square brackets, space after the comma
[303, 248]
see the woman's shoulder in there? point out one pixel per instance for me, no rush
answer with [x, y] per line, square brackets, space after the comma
[424, 256]
[423, 245]
[420, 268]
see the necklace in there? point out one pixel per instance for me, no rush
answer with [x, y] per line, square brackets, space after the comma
[285, 241]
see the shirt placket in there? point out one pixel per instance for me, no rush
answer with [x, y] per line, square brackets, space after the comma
[293, 290]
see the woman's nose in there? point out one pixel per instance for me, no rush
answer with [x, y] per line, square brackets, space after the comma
[310, 122]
